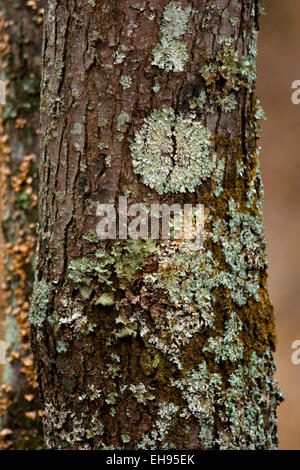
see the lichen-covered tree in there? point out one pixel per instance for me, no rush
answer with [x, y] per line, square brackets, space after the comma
[20, 60]
[147, 344]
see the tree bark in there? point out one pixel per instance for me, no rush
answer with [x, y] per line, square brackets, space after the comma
[145, 344]
[20, 61]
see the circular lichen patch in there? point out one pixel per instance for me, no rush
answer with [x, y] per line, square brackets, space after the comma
[172, 153]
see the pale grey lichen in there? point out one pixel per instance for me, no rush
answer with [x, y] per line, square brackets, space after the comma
[62, 346]
[156, 88]
[172, 153]
[119, 57]
[228, 345]
[82, 270]
[255, 189]
[125, 438]
[39, 302]
[71, 313]
[123, 118]
[190, 294]
[171, 53]
[237, 71]
[243, 244]
[242, 408]
[200, 389]
[125, 81]
[250, 400]
[77, 129]
[72, 429]
[141, 393]
[163, 423]
[218, 176]
[228, 103]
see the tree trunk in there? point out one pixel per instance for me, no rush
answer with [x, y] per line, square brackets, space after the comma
[20, 57]
[147, 344]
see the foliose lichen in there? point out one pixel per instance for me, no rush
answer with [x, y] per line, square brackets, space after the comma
[39, 302]
[165, 417]
[228, 345]
[171, 53]
[173, 153]
[235, 405]
[125, 81]
[243, 245]
[236, 71]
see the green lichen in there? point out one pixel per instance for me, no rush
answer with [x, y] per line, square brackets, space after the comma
[62, 346]
[191, 296]
[77, 129]
[125, 438]
[95, 430]
[123, 118]
[218, 177]
[125, 261]
[128, 327]
[172, 153]
[82, 271]
[111, 398]
[227, 346]
[141, 393]
[237, 407]
[39, 302]
[102, 122]
[236, 71]
[228, 103]
[171, 53]
[106, 300]
[199, 101]
[125, 333]
[191, 279]
[243, 246]
[91, 237]
[102, 146]
[130, 258]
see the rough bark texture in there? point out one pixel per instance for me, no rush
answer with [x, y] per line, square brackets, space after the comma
[20, 56]
[146, 344]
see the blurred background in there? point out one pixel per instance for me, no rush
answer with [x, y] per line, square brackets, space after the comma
[278, 67]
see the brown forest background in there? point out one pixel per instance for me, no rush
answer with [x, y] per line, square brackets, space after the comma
[278, 67]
